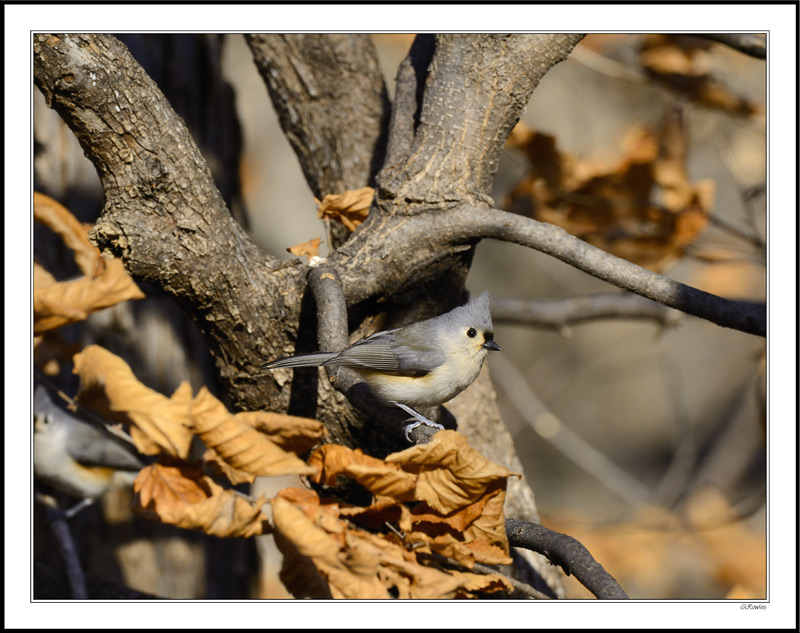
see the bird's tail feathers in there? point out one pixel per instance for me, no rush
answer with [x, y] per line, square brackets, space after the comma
[303, 360]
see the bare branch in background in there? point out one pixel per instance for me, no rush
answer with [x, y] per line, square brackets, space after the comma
[747, 316]
[559, 314]
[576, 449]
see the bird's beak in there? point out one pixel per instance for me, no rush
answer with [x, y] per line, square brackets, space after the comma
[491, 345]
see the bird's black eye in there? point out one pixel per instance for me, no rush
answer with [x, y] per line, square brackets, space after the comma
[472, 332]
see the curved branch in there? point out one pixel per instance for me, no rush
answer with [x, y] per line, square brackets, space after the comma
[752, 44]
[568, 553]
[476, 222]
[559, 314]
[423, 245]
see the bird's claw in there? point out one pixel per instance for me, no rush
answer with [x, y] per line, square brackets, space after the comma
[421, 419]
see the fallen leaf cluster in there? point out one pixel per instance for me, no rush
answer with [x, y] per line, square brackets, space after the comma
[442, 500]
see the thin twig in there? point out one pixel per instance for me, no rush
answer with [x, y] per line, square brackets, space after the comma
[485, 569]
[69, 554]
[575, 448]
[561, 313]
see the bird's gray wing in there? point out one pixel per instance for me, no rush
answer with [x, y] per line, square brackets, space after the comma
[86, 443]
[386, 351]
[92, 446]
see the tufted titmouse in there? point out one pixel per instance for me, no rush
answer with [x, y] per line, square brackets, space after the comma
[424, 364]
[74, 456]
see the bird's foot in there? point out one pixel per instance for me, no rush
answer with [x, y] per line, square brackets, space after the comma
[421, 419]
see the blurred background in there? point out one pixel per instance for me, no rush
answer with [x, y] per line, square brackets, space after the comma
[643, 440]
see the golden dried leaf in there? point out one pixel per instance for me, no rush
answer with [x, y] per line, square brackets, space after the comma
[350, 208]
[238, 443]
[108, 386]
[452, 474]
[374, 474]
[74, 234]
[290, 432]
[105, 281]
[310, 249]
[41, 277]
[179, 494]
[683, 64]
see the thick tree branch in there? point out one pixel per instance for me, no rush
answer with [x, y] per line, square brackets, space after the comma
[331, 102]
[409, 87]
[568, 553]
[163, 215]
[476, 89]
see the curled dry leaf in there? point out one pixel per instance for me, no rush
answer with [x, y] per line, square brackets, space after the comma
[238, 443]
[105, 281]
[178, 493]
[310, 249]
[324, 558]
[350, 208]
[290, 432]
[108, 386]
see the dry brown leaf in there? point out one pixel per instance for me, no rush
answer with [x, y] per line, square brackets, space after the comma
[350, 208]
[452, 474]
[683, 64]
[105, 281]
[41, 277]
[179, 494]
[290, 432]
[238, 443]
[74, 234]
[108, 386]
[310, 249]
[379, 477]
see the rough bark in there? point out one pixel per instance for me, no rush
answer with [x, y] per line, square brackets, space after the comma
[331, 102]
